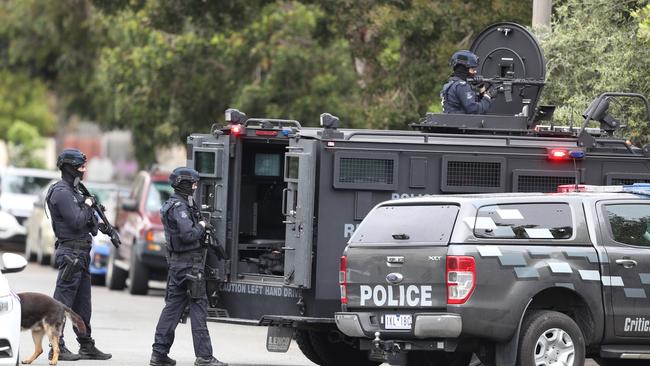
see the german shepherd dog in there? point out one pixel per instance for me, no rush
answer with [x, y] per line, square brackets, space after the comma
[44, 315]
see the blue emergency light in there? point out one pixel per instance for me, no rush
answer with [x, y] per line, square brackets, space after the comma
[638, 188]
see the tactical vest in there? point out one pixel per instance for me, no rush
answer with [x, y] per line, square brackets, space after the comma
[172, 240]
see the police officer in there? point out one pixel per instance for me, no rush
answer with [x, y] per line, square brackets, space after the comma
[457, 95]
[73, 221]
[186, 259]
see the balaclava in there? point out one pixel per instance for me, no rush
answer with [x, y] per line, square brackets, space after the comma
[70, 174]
[461, 71]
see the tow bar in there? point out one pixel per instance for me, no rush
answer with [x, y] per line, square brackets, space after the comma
[391, 352]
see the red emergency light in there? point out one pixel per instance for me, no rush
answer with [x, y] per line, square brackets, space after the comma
[564, 154]
[236, 130]
[558, 154]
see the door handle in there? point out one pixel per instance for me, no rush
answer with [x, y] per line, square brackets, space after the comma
[626, 263]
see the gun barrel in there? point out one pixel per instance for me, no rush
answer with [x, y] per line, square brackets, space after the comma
[507, 81]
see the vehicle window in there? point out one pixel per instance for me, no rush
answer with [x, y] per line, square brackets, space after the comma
[629, 223]
[523, 221]
[103, 194]
[24, 184]
[430, 224]
[158, 194]
[136, 191]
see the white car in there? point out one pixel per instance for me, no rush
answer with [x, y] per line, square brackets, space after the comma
[39, 245]
[19, 188]
[9, 310]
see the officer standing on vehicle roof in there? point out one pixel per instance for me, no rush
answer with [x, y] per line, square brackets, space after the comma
[73, 221]
[184, 231]
[457, 95]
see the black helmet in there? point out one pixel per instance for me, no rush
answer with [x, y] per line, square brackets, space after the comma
[465, 58]
[183, 174]
[73, 157]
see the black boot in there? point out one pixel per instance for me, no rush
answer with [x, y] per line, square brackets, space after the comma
[64, 354]
[158, 359]
[88, 351]
[208, 361]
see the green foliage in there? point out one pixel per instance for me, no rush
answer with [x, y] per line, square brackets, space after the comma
[606, 53]
[23, 99]
[56, 42]
[165, 68]
[24, 140]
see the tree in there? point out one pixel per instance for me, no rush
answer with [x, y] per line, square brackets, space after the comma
[586, 58]
[55, 42]
[24, 99]
[164, 85]
[24, 140]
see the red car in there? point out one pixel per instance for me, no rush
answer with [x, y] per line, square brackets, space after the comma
[141, 257]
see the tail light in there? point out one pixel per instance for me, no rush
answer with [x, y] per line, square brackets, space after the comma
[343, 279]
[461, 278]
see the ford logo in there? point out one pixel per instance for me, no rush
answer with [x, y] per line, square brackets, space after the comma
[394, 278]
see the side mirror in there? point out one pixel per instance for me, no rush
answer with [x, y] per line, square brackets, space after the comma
[130, 205]
[11, 262]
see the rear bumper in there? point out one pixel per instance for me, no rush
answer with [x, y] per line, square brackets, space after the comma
[425, 325]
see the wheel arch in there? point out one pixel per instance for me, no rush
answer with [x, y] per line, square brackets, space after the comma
[561, 299]
[572, 304]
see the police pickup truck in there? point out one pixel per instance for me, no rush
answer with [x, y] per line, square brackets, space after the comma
[515, 278]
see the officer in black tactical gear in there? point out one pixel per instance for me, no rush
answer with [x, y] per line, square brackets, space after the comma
[184, 230]
[73, 221]
[457, 95]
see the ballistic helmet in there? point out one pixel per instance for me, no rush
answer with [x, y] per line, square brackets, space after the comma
[73, 157]
[183, 174]
[465, 58]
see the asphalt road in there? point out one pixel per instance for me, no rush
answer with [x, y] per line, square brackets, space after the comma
[124, 325]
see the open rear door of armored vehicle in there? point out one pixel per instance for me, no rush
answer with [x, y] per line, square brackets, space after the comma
[298, 210]
[209, 156]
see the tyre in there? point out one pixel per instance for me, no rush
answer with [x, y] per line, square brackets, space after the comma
[423, 358]
[29, 253]
[97, 280]
[550, 338]
[304, 343]
[115, 276]
[138, 276]
[42, 258]
[335, 349]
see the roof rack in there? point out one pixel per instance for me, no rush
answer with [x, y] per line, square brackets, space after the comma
[270, 123]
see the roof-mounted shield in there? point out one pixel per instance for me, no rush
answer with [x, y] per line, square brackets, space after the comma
[509, 51]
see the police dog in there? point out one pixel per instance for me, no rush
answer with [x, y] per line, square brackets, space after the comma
[44, 315]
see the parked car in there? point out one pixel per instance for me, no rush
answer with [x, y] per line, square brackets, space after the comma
[142, 255]
[19, 188]
[40, 236]
[99, 254]
[9, 310]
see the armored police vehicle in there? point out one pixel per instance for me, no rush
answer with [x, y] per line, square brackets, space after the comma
[526, 279]
[285, 199]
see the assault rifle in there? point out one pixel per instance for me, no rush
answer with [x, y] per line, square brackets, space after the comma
[504, 85]
[99, 209]
[210, 241]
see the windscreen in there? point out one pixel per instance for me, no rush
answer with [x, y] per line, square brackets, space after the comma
[23, 184]
[423, 224]
[158, 194]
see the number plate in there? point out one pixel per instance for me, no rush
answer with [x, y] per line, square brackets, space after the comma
[397, 321]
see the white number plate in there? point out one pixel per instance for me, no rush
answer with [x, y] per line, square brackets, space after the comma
[397, 321]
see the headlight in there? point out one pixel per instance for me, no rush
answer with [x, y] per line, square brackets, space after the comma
[6, 304]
